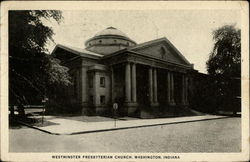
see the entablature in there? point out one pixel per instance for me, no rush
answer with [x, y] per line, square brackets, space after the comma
[148, 61]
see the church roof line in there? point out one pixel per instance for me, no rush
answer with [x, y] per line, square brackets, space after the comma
[77, 51]
[145, 44]
[111, 31]
[133, 49]
[153, 57]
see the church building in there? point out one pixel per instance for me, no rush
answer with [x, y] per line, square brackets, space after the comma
[152, 76]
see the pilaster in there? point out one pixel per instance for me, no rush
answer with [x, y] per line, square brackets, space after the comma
[84, 92]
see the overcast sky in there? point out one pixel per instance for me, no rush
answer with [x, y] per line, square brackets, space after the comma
[190, 31]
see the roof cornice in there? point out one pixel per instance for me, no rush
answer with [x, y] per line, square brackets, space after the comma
[78, 53]
[156, 58]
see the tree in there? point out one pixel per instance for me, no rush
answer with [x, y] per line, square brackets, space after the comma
[32, 71]
[224, 64]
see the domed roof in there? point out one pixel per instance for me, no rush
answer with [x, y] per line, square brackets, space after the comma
[111, 31]
[108, 41]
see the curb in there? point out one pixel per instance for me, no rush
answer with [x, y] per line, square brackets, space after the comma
[112, 129]
[30, 126]
[140, 126]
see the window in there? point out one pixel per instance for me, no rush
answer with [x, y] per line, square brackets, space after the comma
[127, 44]
[102, 81]
[100, 41]
[115, 41]
[102, 99]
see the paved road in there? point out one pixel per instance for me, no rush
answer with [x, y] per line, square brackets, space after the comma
[221, 135]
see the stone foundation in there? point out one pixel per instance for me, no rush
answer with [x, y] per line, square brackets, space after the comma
[131, 108]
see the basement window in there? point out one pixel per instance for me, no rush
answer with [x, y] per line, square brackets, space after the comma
[102, 99]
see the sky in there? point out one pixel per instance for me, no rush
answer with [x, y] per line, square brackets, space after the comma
[190, 31]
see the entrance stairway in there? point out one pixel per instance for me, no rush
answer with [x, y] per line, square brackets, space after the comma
[177, 111]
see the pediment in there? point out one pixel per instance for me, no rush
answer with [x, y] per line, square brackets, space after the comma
[161, 49]
[65, 53]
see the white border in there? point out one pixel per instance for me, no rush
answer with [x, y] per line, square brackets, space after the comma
[125, 5]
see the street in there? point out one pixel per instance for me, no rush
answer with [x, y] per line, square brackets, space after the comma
[219, 135]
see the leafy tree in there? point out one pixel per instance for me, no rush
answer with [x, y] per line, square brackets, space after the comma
[224, 60]
[224, 63]
[32, 72]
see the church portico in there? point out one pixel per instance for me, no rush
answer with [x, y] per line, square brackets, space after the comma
[146, 83]
[151, 76]
[173, 93]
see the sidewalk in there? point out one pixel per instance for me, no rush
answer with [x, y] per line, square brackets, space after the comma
[62, 126]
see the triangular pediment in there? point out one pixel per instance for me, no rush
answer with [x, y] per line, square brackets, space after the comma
[65, 53]
[161, 49]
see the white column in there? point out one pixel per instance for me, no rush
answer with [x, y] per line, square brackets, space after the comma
[133, 82]
[155, 85]
[95, 87]
[84, 94]
[150, 80]
[127, 83]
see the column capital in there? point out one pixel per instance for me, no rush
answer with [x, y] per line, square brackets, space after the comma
[133, 62]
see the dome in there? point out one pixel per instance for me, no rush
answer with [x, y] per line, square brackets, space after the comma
[111, 31]
[108, 41]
